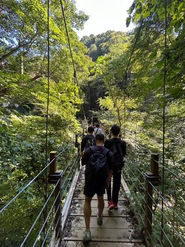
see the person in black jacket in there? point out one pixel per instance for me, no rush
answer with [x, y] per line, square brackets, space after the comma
[118, 148]
[88, 140]
[98, 171]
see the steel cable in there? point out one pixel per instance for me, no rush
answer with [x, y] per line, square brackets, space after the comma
[38, 216]
[25, 187]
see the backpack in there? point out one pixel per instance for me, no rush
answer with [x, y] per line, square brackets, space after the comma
[90, 142]
[97, 165]
[118, 156]
[96, 132]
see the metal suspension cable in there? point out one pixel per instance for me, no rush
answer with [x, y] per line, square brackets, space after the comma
[163, 114]
[175, 175]
[40, 213]
[50, 226]
[133, 49]
[45, 192]
[68, 39]
[48, 72]
[126, 72]
[25, 187]
[71, 53]
[158, 223]
[45, 221]
[70, 50]
[166, 218]
[135, 43]
[158, 192]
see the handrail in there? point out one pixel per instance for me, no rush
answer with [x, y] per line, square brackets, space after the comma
[49, 213]
[43, 243]
[72, 165]
[45, 204]
[165, 167]
[26, 186]
[159, 194]
[135, 177]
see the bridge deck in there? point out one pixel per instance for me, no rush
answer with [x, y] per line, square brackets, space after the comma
[117, 229]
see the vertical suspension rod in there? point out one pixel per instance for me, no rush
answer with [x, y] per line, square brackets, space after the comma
[164, 117]
[48, 73]
[124, 128]
[68, 39]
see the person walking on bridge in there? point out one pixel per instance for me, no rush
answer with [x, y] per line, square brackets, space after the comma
[118, 148]
[88, 140]
[98, 171]
[97, 129]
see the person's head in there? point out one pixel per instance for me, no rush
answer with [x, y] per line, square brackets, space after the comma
[97, 125]
[115, 130]
[99, 139]
[90, 129]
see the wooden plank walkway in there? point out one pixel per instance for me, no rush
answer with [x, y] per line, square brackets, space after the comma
[117, 229]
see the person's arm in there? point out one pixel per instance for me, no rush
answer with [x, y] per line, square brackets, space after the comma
[110, 167]
[86, 156]
[108, 179]
[83, 143]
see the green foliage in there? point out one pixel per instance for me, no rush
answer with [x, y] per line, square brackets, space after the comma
[102, 44]
[125, 86]
[131, 75]
[107, 46]
[23, 104]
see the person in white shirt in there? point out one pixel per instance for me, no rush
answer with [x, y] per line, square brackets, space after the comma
[97, 130]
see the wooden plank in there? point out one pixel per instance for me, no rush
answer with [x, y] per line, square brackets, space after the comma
[100, 233]
[117, 225]
[94, 202]
[101, 244]
[105, 214]
[108, 223]
[81, 196]
[120, 212]
[110, 241]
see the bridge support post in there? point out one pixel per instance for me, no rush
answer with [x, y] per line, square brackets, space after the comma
[53, 165]
[54, 177]
[152, 179]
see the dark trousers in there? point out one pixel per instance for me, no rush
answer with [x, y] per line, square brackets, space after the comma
[116, 187]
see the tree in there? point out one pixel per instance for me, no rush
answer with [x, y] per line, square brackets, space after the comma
[23, 103]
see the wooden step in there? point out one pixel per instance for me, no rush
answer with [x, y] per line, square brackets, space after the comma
[117, 229]
[70, 242]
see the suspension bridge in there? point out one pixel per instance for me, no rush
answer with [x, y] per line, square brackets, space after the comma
[142, 218]
[60, 220]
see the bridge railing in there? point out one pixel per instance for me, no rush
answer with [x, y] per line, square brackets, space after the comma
[155, 212]
[44, 212]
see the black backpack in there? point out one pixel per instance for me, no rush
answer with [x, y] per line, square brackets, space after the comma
[90, 142]
[118, 156]
[97, 165]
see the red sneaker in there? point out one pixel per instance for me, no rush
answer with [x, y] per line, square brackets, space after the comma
[115, 206]
[110, 205]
